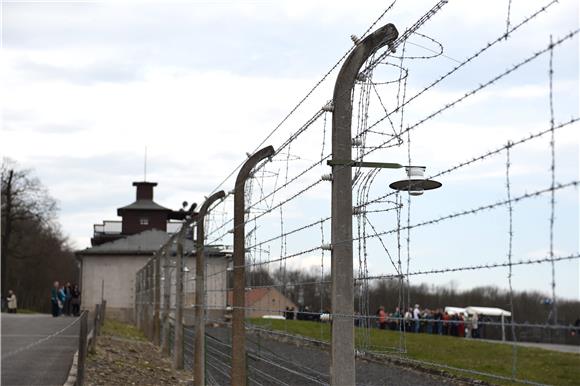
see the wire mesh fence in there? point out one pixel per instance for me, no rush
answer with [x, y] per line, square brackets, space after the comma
[502, 225]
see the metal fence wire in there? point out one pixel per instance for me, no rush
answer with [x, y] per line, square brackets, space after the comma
[498, 135]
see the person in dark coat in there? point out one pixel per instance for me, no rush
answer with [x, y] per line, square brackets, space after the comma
[75, 300]
[55, 299]
[67, 309]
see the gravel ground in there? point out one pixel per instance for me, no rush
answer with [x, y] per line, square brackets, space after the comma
[120, 362]
[272, 362]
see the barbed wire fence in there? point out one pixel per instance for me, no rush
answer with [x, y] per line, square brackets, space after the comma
[288, 267]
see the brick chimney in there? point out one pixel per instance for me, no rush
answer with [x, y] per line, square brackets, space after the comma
[144, 214]
[145, 190]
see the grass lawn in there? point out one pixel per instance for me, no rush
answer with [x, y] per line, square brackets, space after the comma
[122, 330]
[26, 311]
[533, 364]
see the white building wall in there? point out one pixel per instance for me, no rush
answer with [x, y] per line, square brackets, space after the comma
[117, 273]
[216, 295]
[216, 283]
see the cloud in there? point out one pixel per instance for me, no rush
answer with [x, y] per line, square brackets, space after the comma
[86, 75]
[88, 86]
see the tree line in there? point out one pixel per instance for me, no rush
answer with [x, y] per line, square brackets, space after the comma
[529, 306]
[34, 251]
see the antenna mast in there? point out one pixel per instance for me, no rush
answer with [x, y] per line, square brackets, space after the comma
[145, 166]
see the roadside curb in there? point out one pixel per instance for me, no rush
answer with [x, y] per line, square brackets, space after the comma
[72, 374]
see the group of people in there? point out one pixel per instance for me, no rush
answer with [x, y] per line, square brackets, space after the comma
[65, 300]
[429, 321]
[302, 313]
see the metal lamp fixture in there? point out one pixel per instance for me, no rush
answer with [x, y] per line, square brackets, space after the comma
[416, 183]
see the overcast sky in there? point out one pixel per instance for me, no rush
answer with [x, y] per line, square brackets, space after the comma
[88, 85]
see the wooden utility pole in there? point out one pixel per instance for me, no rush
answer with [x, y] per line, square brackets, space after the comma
[81, 359]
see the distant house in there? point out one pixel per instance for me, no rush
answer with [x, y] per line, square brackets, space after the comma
[120, 248]
[264, 301]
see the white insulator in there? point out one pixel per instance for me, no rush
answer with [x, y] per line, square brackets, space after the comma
[355, 39]
[361, 77]
[328, 107]
[326, 177]
[326, 247]
[357, 210]
[356, 142]
[416, 171]
[233, 191]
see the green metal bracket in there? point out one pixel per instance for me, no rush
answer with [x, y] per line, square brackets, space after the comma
[382, 165]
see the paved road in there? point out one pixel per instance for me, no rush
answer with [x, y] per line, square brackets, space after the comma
[31, 355]
[568, 348]
[272, 362]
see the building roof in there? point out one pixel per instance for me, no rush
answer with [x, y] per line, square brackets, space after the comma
[484, 311]
[147, 243]
[144, 243]
[255, 294]
[454, 310]
[487, 311]
[144, 205]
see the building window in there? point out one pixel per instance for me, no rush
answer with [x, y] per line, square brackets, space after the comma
[144, 221]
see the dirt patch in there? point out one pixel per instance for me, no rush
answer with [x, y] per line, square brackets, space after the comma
[122, 361]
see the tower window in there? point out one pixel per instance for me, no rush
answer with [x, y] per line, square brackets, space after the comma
[144, 221]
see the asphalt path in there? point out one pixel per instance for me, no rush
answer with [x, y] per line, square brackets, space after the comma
[567, 348]
[37, 349]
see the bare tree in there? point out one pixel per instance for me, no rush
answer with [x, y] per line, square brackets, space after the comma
[33, 248]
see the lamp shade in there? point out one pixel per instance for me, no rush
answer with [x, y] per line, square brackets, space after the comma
[415, 184]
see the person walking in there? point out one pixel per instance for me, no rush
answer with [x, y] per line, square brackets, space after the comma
[55, 301]
[11, 301]
[76, 300]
